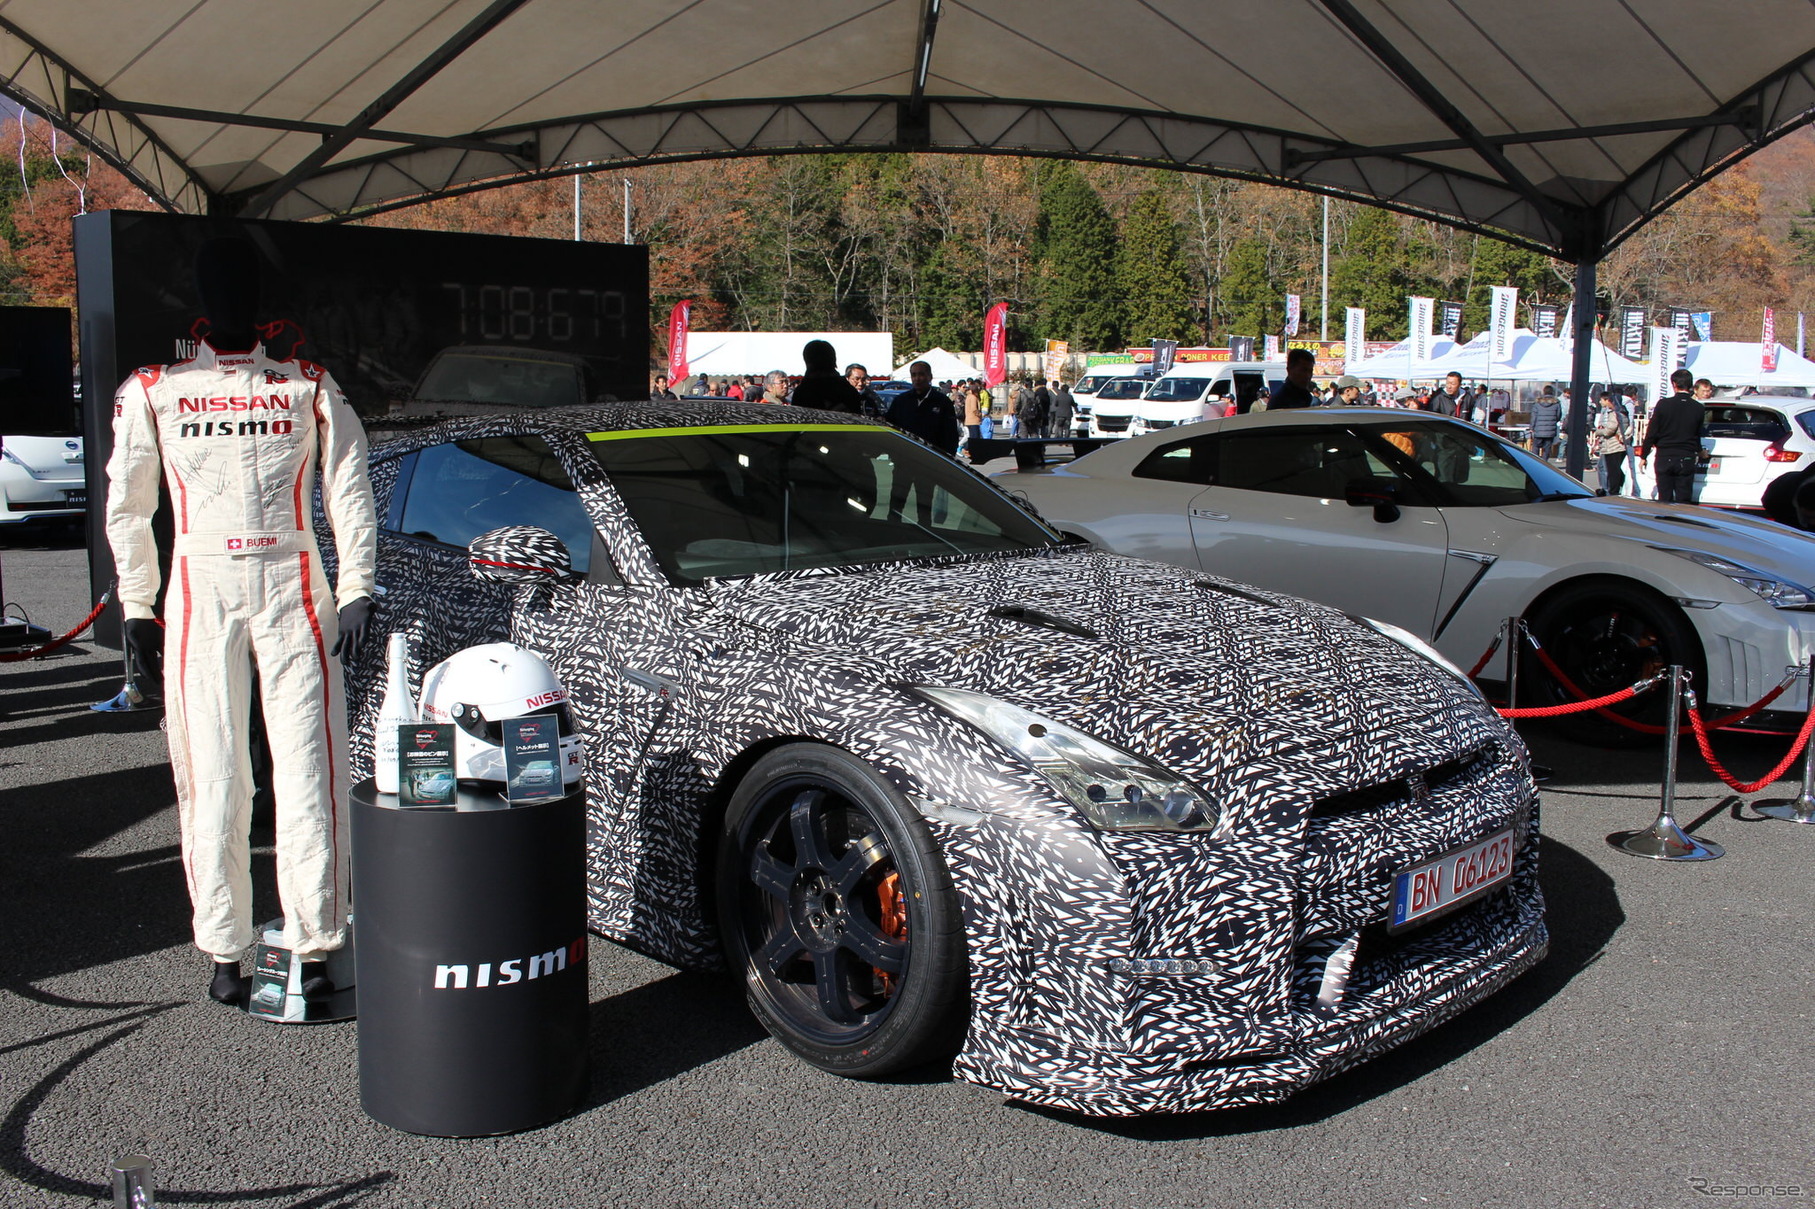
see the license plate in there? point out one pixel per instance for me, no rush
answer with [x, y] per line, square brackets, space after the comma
[1456, 877]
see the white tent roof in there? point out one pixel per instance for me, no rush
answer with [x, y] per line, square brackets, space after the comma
[1560, 124]
[1537, 359]
[759, 352]
[1398, 363]
[1737, 363]
[944, 365]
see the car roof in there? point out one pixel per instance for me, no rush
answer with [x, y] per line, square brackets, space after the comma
[629, 416]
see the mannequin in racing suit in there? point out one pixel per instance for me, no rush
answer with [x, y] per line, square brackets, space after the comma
[239, 437]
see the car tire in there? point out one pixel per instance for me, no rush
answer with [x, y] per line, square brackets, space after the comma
[837, 910]
[1605, 636]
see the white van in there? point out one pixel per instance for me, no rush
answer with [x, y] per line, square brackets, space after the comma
[1094, 377]
[1115, 411]
[1207, 390]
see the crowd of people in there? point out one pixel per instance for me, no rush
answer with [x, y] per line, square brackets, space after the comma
[954, 412]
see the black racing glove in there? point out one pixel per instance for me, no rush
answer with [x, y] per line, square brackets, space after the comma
[355, 621]
[145, 646]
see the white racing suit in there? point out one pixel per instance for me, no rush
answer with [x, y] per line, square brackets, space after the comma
[239, 438]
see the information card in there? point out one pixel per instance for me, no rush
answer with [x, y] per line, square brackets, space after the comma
[532, 759]
[425, 764]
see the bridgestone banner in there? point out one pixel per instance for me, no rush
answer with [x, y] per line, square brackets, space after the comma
[1355, 334]
[1419, 322]
[1501, 318]
[995, 345]
[1666, 346]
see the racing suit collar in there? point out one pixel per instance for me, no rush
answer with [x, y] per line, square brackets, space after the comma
[209, 357]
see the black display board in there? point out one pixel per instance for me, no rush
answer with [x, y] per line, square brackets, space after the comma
[371, 304]
[36, 373]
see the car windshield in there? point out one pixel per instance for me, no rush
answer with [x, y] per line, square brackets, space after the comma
[1122, 388]
[1176, 390]
[736, 500]
[501, 378]
[1470, 467]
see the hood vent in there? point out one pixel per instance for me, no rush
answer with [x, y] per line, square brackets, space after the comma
[1043, 620]
[1210, 585]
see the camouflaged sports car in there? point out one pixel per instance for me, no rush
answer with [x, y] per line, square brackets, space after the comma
[1117, 837]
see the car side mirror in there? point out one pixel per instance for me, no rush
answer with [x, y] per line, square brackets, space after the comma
[519, 556]
[1379, 494]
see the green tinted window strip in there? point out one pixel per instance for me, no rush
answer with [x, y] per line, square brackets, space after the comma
[713, 430]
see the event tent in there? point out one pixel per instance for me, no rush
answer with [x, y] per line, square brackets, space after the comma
[1537, 359]
[727, 353]
[945, 366]
[1398, 364]
[1740, 363]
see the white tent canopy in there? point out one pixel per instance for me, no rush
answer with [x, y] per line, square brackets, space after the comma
[728, 353]
[945, 366]
[1562, 125]
[1537, 359]
[1398, 364]
[1740, 363]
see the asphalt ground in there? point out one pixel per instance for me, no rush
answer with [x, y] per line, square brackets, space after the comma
[1660, 1057]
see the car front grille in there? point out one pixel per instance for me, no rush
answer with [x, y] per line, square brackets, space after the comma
[1113, 423]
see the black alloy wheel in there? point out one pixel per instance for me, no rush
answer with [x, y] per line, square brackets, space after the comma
[1605, 637]
[838, 912]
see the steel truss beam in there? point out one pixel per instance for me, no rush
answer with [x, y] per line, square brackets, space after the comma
[42, 83]
[83, 102]
[1745, 118]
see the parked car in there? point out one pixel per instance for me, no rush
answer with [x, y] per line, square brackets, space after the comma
[41, 479]
[1750, 442]
[1122, 836]
[1114, 412]
[1445, 530]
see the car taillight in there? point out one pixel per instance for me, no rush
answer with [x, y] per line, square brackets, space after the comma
[1775, 452]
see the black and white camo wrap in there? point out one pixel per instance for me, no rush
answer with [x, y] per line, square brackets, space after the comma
[1337, 758]
[518, 554]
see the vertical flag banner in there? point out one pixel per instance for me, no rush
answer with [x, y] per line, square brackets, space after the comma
[1241, 348]
[1292, 309]
[1058, 352]
[1767, 343]
[1666, 345]
[1568, 330]
[1544, 319]
[1419, 337]
[1679, 319]
[995, 345]
[1273, 353]
[1704, 324]
[1502, 314]
[1355, 334]
[1163, 353]
[677, 342]
[1799, 333]
[1632, 331]
[1451, 320]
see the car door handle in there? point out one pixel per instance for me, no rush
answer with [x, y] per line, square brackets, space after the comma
[1204, 514]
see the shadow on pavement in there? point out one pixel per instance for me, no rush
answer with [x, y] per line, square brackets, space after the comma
[16, 1160]
[664, 1028]
[1583, 911]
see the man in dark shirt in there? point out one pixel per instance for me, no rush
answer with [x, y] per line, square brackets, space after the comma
[870, 404]
[821, 386]
[1448, 400]
[926, 413]
[1295, 391]
[1675, 432]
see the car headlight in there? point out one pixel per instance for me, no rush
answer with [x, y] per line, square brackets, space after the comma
[1416, 646]
[1778, 593]
[1114, 789]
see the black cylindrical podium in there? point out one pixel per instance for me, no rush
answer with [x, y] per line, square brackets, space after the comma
[471, 963]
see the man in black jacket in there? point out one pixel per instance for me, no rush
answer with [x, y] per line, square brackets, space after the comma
[1295, 391]
[1675, 432]
[925, 412]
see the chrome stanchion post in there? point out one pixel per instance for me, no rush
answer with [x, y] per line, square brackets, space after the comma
[1664, 840]
[1514, 633]
[1801, 808]
[130, 1176]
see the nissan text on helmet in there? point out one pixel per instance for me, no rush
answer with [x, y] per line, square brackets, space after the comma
[479, 688]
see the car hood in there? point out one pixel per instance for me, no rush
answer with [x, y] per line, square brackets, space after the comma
[52, 456]
[1242, 681]
[1762, 544]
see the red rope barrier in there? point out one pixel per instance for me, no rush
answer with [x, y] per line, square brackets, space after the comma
[1701, 740]
[1732, 719]
[1574, 707]
[53, 644]
[1493, 646]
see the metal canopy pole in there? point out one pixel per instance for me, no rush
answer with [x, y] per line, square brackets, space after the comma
[1576, 449]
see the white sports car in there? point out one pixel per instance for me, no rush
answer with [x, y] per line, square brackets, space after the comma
[1439, 527]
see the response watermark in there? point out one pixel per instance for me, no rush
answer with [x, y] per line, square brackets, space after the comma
[1707, 1187]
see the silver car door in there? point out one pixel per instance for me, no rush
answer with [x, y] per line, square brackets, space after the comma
[1276, 515]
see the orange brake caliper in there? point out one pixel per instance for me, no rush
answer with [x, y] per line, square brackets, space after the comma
[893, 917]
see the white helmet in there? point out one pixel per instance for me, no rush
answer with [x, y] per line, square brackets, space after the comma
[478, 688]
